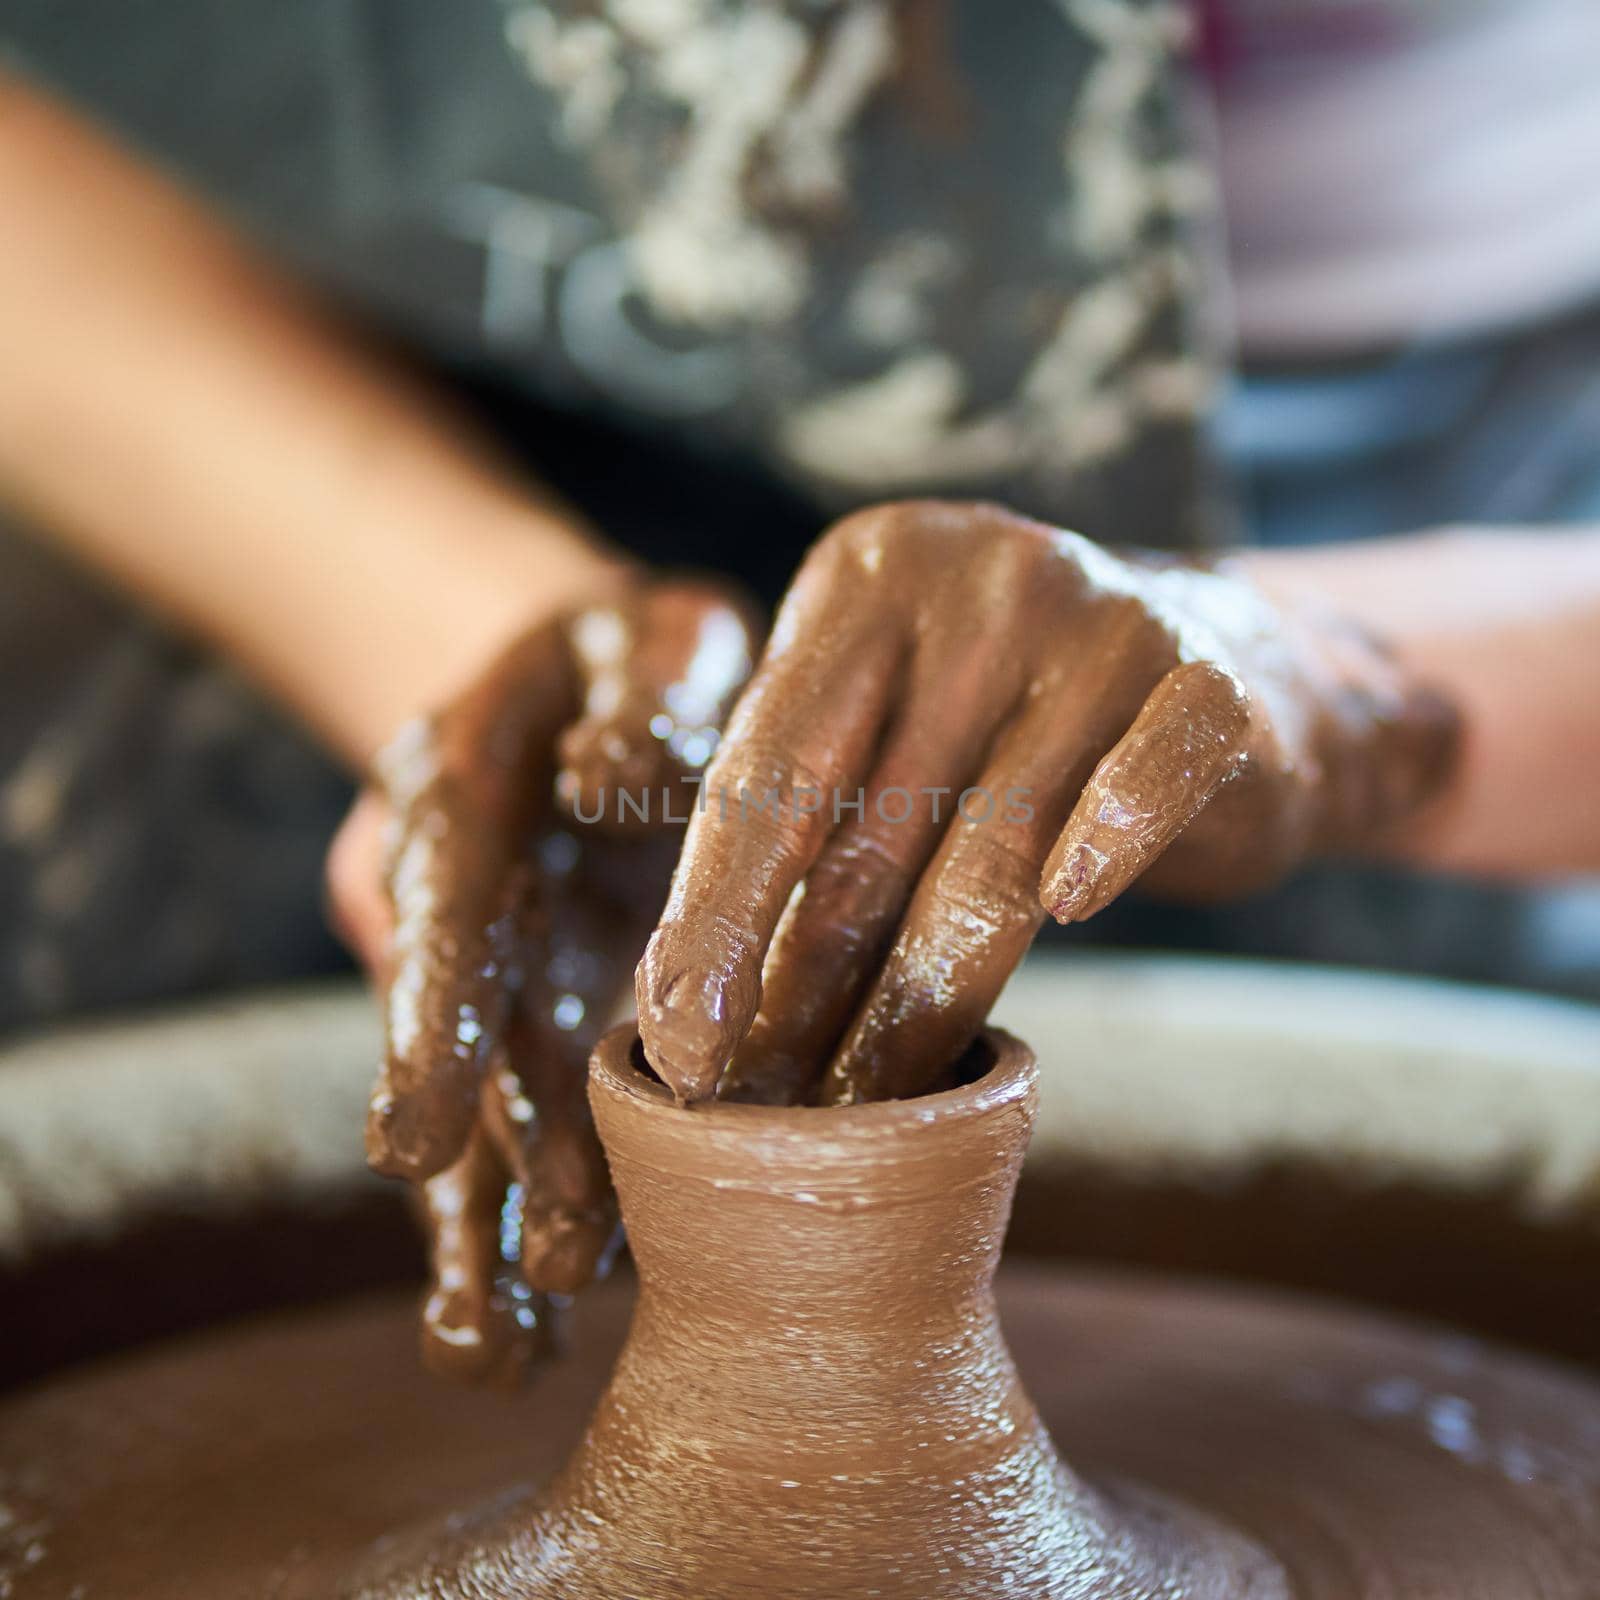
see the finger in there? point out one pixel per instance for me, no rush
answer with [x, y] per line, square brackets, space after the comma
[583, 923]
[833, 934]
[473, 1321]
[568, 1219]
[465, 791]
[804, 730]
[659, 671]
[1185, 744]
[976, 908]
[358, 906]
[535, 1105]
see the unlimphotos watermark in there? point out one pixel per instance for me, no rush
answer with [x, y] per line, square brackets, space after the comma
[893, 805]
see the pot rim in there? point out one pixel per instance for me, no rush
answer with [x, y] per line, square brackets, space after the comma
[1011, 1080]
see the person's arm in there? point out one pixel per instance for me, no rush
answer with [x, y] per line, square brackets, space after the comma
[196, 430]
[1507, 625]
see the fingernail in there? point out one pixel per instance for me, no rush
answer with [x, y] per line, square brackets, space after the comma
[1072, 889]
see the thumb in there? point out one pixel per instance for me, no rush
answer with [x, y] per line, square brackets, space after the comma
[357, 904]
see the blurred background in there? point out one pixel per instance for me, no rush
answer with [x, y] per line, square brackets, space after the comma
[1176, 275]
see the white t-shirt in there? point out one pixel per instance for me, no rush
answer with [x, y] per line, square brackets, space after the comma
[1398, 171]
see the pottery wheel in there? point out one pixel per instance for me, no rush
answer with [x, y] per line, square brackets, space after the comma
[1374, 1459]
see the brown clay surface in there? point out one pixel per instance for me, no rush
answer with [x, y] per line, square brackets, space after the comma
[1374, 1459]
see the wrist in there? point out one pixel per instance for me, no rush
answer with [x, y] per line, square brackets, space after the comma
[444, 608]
[1386, 731]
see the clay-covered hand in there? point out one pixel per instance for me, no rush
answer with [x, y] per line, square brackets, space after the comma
[965, 720]
[516, 893]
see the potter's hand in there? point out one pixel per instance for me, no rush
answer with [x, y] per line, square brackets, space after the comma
[1106, 717]
[505, 932]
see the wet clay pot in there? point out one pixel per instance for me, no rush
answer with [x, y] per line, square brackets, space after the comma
[815, 1397]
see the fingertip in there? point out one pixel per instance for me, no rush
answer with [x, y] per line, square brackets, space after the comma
[469, 1338]
[562, 1252]
[687, 1057]
[1185, 744]
[685, 1025]
[454, 1341]
[400, 1143]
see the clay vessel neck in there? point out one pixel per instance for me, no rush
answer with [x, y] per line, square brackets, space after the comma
[825, 1272]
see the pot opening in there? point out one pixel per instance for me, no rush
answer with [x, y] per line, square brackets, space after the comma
[974, 1063]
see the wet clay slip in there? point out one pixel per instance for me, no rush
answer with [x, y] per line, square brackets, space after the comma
[809, 1395]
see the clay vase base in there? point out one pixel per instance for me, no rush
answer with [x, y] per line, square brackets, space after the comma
[1126, 1543]
[1376, 1461]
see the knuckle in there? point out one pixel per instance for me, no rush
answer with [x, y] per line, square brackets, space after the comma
[888, 519]
[974, 539]
[1209, 690]
[762, 767]
[779, 804]
[874, 531]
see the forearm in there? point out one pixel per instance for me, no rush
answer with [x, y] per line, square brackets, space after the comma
[1507, 626]
[194, 429]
